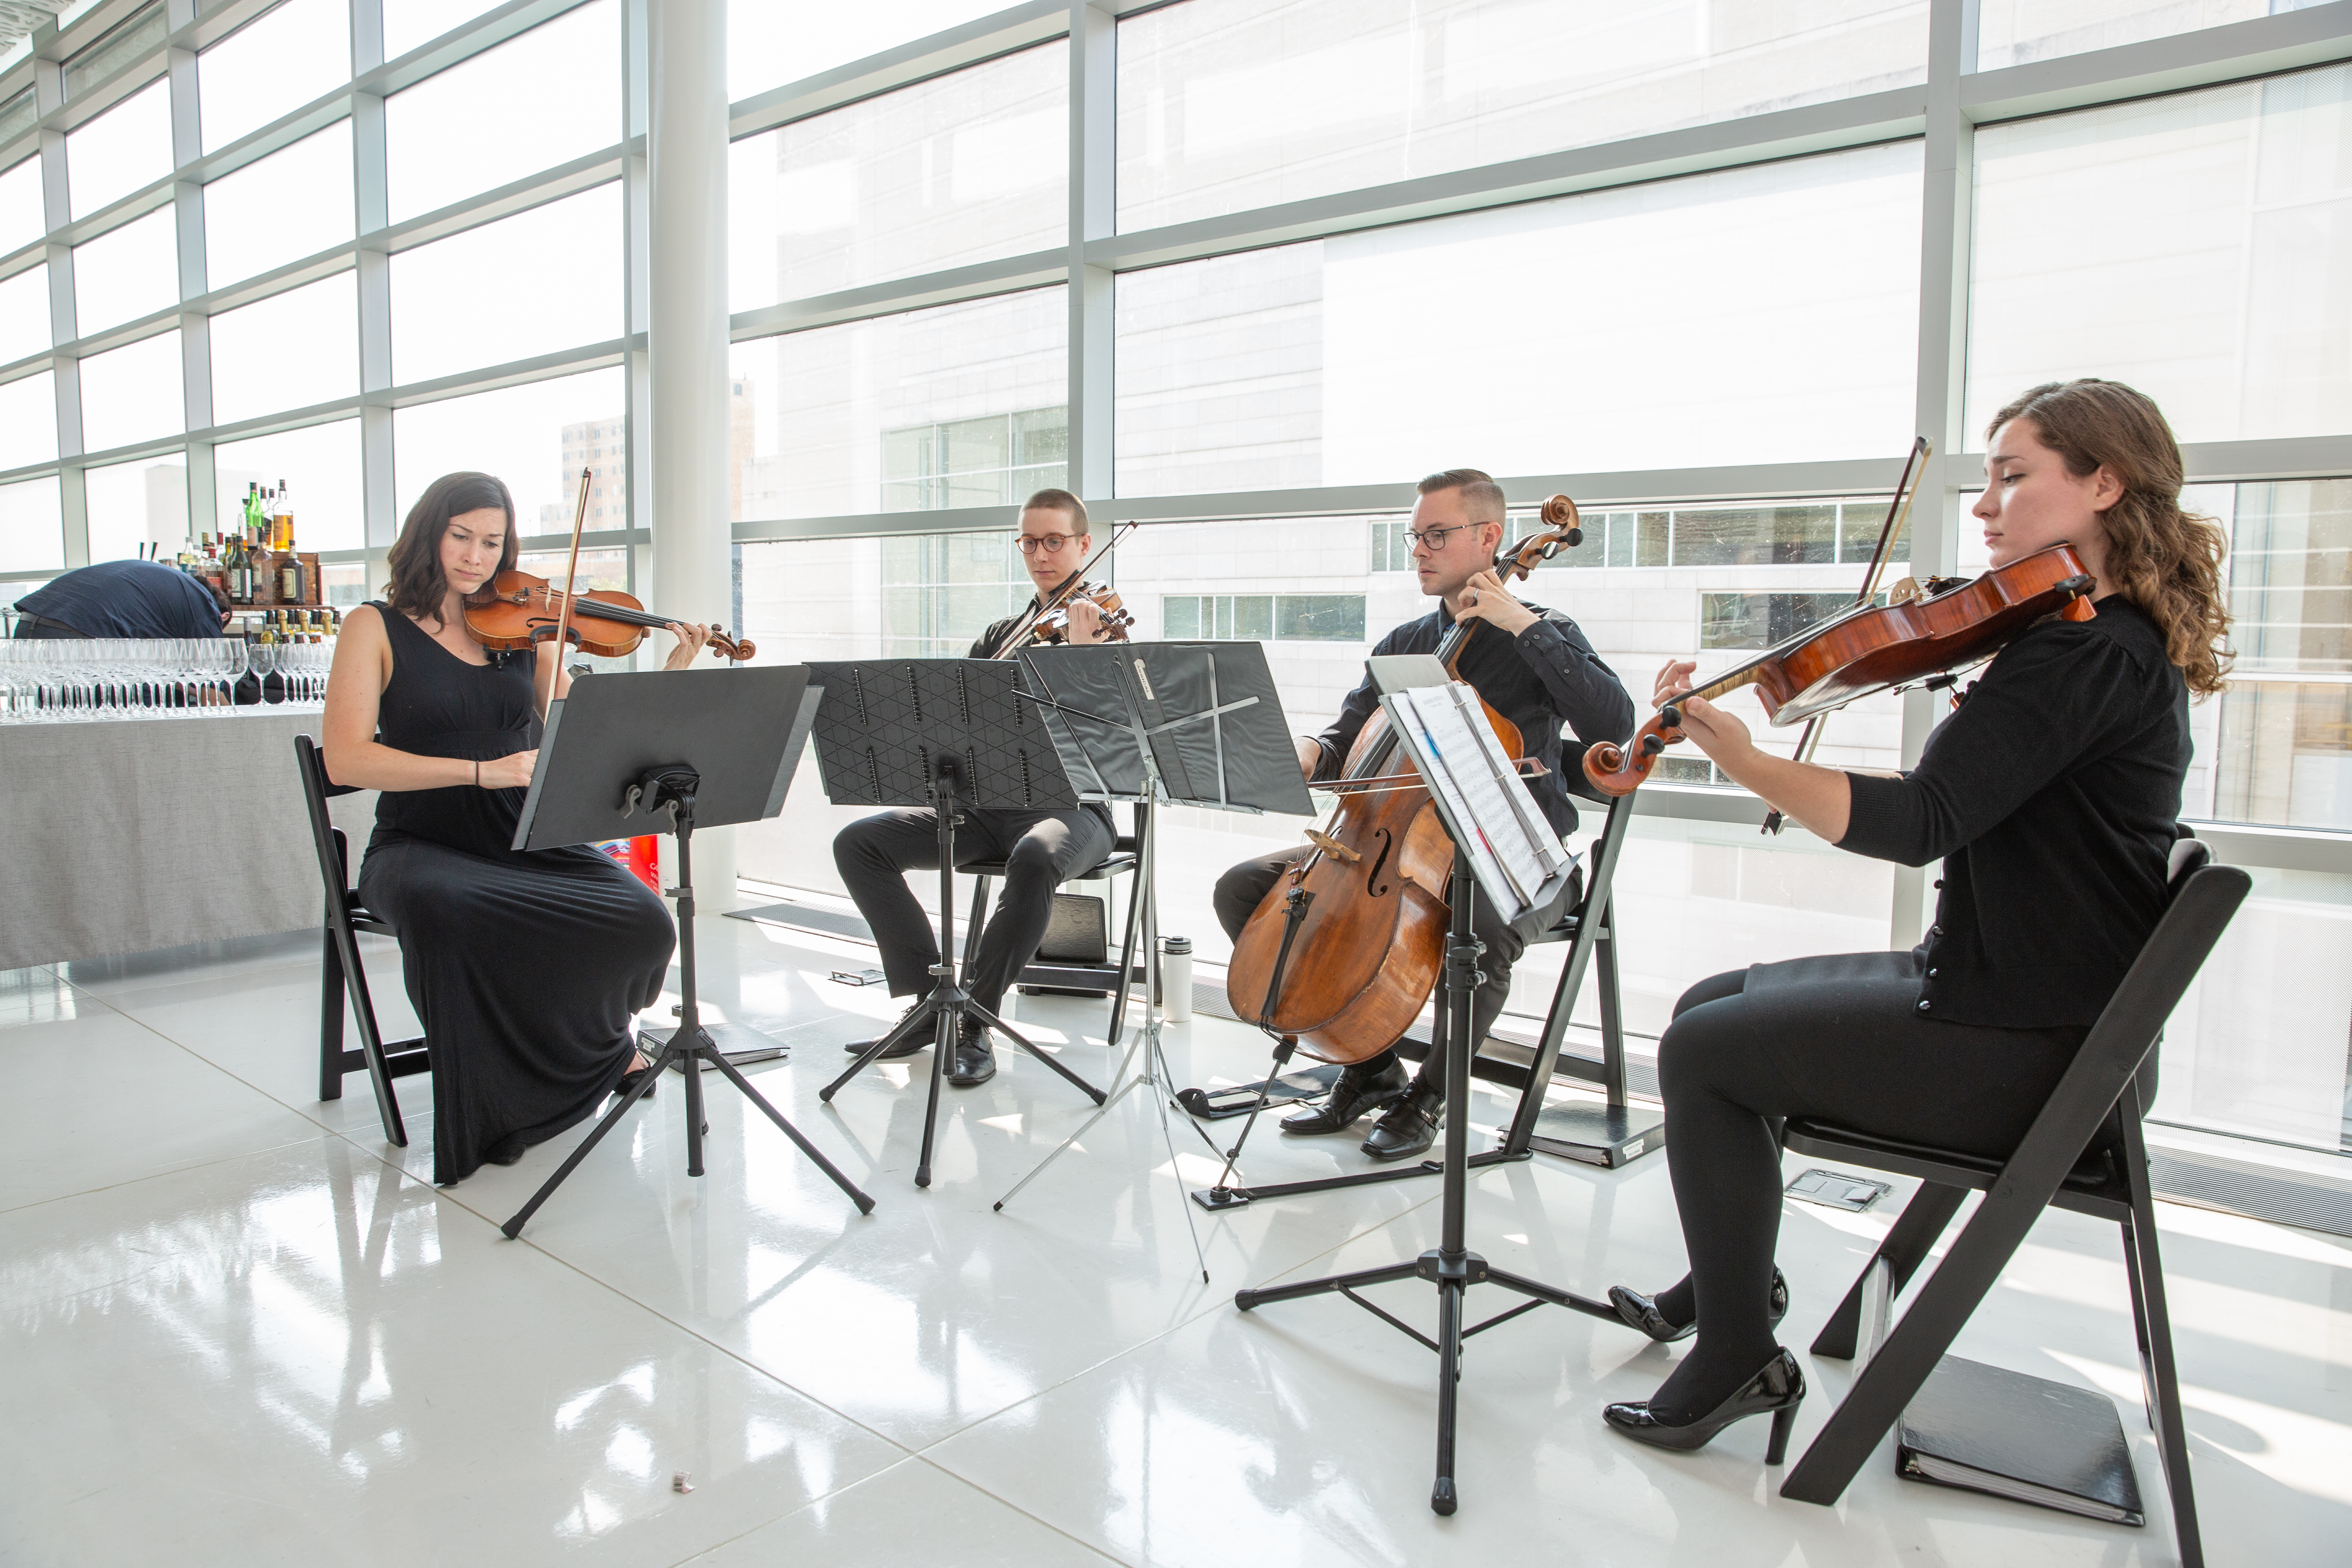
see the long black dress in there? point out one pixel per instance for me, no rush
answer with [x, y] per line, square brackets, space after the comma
[526, 967]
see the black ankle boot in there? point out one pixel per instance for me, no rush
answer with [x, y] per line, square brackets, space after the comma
[1350, 1099]
[1642, 1312]
[1411, 1125]
[1777, 1390]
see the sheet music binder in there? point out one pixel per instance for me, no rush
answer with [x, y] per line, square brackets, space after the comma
[1984, 1429]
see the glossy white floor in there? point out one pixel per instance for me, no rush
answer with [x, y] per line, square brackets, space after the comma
[241, 1328]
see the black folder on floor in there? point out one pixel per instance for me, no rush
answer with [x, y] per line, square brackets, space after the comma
[1988, 1430]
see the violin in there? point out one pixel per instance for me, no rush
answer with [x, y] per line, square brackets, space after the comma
[512, 611]
[1872, 648]
[1345, 949]
[1054, 626]
[518, 610]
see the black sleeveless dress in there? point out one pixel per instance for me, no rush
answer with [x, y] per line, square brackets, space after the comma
[525, 967]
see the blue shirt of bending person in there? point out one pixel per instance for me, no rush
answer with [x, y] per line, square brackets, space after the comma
[120, 599]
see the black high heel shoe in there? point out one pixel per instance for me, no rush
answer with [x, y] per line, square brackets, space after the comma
[1642, 1312]
[629, 1081]
[1778, 1389]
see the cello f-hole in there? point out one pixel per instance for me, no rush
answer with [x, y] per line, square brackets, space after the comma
[1372, 883]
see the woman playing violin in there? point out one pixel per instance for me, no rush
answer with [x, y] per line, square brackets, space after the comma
[2050, 794]
[525, 966]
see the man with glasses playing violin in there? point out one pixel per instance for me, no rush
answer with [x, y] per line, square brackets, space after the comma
[1040, 849]
[1540, 674]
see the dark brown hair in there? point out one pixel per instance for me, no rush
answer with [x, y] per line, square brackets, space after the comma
[418, 586]
[1482, 498]
[2165, 560]
[1059, 501]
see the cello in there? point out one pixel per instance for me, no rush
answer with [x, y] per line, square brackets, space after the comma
[1345, 949]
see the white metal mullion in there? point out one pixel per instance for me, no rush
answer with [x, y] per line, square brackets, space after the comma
[378, 501]
[188, 229]
[1094, 85]
[73, 496]
[637, 214]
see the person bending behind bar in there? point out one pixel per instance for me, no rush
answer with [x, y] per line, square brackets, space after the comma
[1040, 849]
[2050, 794]
[525, 965]
[1533, 667]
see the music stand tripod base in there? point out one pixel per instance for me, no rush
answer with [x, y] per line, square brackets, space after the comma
[739, 1044]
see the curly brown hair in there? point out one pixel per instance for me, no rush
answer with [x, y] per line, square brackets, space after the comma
[2165, 560]
[418, 586]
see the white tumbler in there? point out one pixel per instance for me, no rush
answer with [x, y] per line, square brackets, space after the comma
[1176, 978]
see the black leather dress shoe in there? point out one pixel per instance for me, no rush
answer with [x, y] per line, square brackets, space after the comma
[1350, 1099]
[1411, 1125]
[629, 1081]
[1642, 1312]
[1777, 1390]
[975, 1063]
[906, 1047]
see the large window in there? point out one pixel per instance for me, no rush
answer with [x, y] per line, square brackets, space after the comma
[25, 314]
[538, 101]
[134, 505]
[127, 147]
[294, 53]
[127, 273]
[20, 204]
[518, 433]
[964, 168]
[1685, 322]
[545, 280]
[1227, 104]
[318, 466]
[28, 421]
[2013, 32]
[820, 412]
[32, 530]
[253, 371]
[133, 395]
[280, 208]
[2217, 278]
[771, 42]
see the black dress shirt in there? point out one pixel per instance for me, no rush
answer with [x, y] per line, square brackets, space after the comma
[1546, 675]
[2052, 797]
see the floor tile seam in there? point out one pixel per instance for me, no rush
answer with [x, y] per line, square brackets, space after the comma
[911, 1458]
[318, 1134]
[610, 1289]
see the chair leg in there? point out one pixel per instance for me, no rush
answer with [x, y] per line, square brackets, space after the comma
[1904, 1362]
[331, 1019]
[2160, 1377]
[387, 1102]
[975, 917]
[1907, 1246]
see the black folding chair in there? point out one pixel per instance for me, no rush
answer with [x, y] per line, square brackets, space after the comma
[341, 971]
[1110, 977]
[2085, 1153]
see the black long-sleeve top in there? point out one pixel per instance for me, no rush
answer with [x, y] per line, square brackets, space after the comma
[1546, 674]
[2052, 796]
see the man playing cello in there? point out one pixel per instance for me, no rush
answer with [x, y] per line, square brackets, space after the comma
[1539, 673]
[1040, 849]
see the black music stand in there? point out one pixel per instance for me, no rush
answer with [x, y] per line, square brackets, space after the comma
[946, 733]
[668, 751]
[1163, 724]
[1451, 1266]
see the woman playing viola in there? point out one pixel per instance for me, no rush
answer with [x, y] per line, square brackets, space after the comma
[527, 967]
[2050, 794]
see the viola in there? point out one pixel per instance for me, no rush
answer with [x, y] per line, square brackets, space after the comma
[1348, 971]
[512, 611]
[1872, 648]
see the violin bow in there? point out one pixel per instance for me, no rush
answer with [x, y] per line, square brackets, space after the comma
[1014, 639]
[1899, 509]
[570, 579]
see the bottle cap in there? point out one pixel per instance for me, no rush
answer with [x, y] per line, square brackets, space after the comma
[1176, 945]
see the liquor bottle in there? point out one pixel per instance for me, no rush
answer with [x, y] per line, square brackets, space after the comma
[282, 512]
[252, 513]
[289, 572]
[236, 571]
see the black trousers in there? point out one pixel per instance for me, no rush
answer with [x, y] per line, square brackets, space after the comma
[1041, 850]
[1243, 887]
[1840, 1039]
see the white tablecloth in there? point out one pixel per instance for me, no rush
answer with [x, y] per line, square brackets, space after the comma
[138, 834]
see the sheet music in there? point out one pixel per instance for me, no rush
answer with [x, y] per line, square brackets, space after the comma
[1440, 733]
[1541, 837]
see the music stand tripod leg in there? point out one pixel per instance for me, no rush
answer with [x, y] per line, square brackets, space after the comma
[688, 1045]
